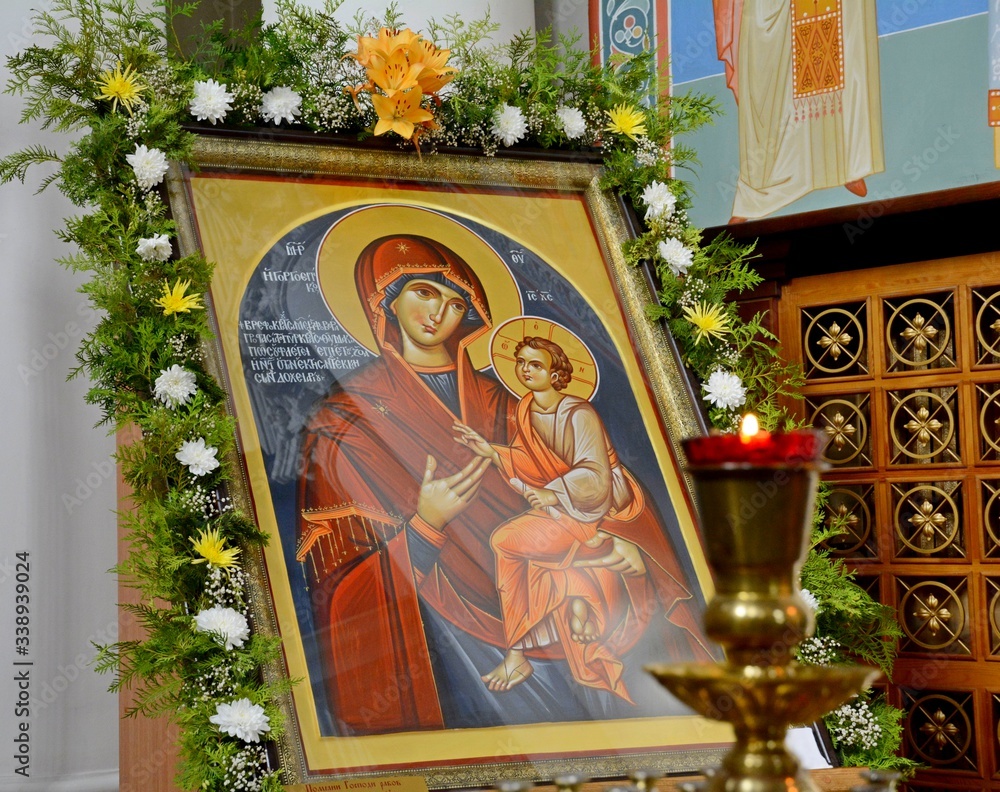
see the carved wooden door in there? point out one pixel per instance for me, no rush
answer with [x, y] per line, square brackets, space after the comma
[903, 374]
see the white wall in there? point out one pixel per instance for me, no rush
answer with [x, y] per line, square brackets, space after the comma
[513, 15]
[57, 488]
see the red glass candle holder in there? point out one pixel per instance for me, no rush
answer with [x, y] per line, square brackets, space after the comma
[763, 449]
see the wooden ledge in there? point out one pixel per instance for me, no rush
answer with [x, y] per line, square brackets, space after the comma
[838, 779]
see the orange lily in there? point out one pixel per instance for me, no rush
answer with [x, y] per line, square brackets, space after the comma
[427, 126]
[354, 90]
[384, 46]
[400, 112]
[422, 51]
[395, 74]
[366, 48]
[433, 80]
[434, 74]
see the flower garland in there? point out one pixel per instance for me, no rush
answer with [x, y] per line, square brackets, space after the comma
[108, 74]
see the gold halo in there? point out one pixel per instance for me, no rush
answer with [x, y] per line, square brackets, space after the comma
[508, 335]
[339, 251]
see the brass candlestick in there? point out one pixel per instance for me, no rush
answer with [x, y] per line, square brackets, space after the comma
[756, 520]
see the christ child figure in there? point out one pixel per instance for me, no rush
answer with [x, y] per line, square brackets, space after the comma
[554, 584]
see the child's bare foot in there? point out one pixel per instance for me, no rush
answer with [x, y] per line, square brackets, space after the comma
[514, 669]
[581, 624]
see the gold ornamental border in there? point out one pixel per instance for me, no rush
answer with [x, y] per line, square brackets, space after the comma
[279, 157]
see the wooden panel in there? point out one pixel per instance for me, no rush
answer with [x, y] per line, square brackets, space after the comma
[147, 757]
[929, 478]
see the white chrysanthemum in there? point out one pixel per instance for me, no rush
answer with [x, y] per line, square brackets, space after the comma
[154, 248]
[572, 120]
[242, 719]
[677, 256]
[724, 389]
[175, 386]
[199, 458]
[149, 165]
[509, 124]
[229, 626]
[280, 104]
[211, 101]
[660, 201]
[810, 600]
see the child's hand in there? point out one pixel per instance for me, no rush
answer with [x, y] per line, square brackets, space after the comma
[472, 440]
[625, 557]
[599, 538]
[541, 498]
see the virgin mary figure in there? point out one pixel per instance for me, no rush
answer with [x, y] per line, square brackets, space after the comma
[396, 519]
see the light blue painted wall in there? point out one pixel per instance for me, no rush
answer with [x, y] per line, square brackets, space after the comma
[934, 82]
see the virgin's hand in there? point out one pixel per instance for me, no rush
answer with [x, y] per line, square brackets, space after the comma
[624, 558]
[442, 499]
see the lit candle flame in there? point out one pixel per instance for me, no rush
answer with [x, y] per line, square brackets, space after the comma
[749, 427]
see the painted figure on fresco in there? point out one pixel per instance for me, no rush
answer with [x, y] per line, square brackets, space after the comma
[397, 517]
[805, 75]
[561, 459]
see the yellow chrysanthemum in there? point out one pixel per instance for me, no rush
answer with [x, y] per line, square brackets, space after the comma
[212, 548]
[709, 321]
[174, 300]
[626, 120]
[118, 86]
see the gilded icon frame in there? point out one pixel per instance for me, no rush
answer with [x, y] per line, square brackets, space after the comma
[238, 203]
